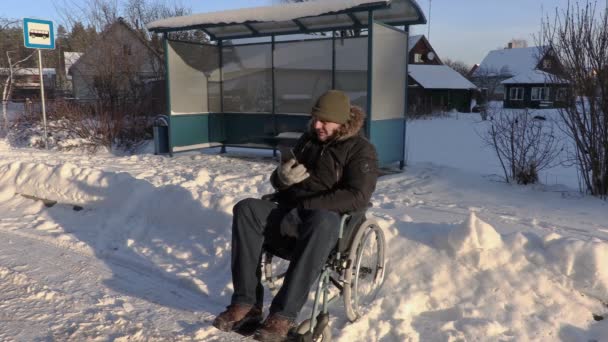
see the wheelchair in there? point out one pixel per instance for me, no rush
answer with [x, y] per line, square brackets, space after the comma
[355, 268]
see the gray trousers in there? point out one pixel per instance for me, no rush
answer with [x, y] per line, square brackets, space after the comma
[256, 223]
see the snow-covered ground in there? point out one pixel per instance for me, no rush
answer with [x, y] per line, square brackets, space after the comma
[137, 248]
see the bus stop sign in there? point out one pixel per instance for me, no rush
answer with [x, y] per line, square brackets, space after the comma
[38, 34]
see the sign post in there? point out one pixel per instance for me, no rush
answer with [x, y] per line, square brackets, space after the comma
[39, 34]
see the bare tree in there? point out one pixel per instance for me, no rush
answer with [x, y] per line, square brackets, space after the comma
[7, 89]
[524, 144]
[7, 79]
[489, 79]
[460, 66]
[96, 13]
[578, 35]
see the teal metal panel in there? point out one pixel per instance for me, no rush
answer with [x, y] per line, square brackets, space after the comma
[217, 127]
[242, 128]
[387, 137]
[186, 130]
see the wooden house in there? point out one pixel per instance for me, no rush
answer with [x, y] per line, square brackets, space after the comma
[119, 60]
[433, 86]
[523, 77]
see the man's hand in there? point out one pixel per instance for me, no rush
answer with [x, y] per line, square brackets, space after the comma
[290, 173]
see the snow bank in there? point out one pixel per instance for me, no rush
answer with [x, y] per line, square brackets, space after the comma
[581, 261]
[468, 282]
[167, 230]
[473, 235]
[451, 275]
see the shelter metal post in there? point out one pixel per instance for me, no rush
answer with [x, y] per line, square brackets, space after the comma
[168, 89]
[220, 44]
[274, 91]
[406, 102]
[370, 65]
[333, 59]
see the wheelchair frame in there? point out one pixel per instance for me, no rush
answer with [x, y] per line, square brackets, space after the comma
[346, 266]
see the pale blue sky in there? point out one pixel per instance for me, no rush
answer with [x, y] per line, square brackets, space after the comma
[460, 29]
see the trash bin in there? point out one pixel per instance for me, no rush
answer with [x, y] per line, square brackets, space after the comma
[161, 134]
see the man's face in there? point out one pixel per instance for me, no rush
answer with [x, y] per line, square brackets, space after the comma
[325, 129]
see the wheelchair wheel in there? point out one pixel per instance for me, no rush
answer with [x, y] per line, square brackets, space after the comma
[304, 328]
[365, 274]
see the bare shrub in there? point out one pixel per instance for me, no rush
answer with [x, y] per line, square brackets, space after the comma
[87, 126]
[524, 144]
[578, 35]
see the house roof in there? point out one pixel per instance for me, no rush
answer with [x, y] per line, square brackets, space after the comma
[438, 77]
[290, 18]
[103, 35]
[509, 62]
[412, 41]
[534, 77]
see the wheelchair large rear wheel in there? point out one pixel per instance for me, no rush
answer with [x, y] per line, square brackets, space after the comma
[365, 274]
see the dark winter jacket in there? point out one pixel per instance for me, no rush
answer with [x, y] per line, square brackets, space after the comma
[343, 171]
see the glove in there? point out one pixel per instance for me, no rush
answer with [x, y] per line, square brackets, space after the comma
[289, 173]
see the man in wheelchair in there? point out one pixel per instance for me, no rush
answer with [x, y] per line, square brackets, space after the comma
[332, 170]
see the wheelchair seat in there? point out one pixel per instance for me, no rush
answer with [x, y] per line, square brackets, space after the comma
[343, 245]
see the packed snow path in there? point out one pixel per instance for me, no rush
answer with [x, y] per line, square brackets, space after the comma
[147, 257]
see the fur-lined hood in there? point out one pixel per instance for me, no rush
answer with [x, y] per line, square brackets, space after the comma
[350, 128]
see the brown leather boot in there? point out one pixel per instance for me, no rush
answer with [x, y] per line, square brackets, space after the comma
[274, 329]
[238, 315]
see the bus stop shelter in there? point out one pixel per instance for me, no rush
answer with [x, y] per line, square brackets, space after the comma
[255, 83]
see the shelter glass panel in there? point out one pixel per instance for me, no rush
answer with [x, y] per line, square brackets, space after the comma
[388, 74]
[247, 76]
[351, 69]
[303, 71]
[193, 78]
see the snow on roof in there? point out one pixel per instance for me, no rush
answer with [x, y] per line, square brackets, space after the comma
[510, 62]
[534, 77]
[283, 12]
[70, 58]
[277, 19]
[28, 71]
[438, 77]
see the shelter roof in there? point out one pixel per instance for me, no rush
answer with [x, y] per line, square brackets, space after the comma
[292, 18]
[438, 77]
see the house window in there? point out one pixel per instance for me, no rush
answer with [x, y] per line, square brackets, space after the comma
[516, 93]
[126, 50]
[561, 94]
[540, 93]
[547, 64]
[417, 58]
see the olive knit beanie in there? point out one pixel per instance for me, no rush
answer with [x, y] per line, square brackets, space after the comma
[333, 106]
